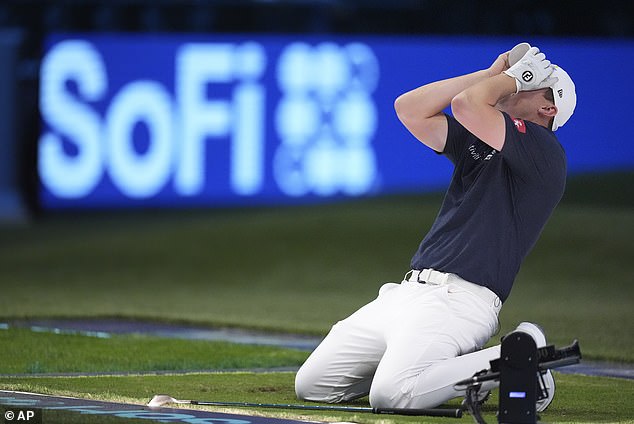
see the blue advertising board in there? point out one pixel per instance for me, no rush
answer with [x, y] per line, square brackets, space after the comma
[186, 120]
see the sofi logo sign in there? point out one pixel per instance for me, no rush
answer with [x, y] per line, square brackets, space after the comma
[155, 121]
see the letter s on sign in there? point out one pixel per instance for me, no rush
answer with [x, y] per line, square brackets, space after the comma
[67, 116]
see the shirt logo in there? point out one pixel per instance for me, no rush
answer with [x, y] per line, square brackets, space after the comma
[482, 154]
[520, 125]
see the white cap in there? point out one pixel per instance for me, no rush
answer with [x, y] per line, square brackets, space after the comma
[565, 97]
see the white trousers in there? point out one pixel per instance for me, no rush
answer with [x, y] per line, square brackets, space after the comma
[405, 349]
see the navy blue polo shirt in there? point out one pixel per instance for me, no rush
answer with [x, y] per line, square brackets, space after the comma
[496, 205]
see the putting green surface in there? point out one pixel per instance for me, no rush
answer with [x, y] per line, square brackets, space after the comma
[578, 399]
[296, 269]
[25, 352]
[300, 269]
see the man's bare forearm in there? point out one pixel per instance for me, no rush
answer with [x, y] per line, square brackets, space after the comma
[420, 109]
[488, 92]
[431, 99]
[475, 109]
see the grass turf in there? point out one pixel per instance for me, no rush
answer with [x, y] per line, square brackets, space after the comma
[303, 268]
[578, 399]
[25, 352]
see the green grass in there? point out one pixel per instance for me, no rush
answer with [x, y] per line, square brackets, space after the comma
[578, 399]
[24, 352]
[295, 269]
[301, 269]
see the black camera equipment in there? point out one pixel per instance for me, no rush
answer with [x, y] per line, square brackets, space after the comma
[520, 371]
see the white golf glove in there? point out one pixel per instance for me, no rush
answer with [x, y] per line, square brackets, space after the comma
[532, 71]
[517, 53]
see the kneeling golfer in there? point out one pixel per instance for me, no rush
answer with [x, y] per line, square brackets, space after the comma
[408, 347]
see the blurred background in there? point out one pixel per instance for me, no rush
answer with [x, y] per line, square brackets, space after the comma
[201, 103]
[239, 162]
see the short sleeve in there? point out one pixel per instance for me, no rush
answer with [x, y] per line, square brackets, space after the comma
[533, 152]
[457, 137]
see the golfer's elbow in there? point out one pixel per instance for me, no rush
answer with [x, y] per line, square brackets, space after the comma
[462, 106]
[409, 112]
[403, 112]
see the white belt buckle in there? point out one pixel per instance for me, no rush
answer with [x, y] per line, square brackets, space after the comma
[425, 276]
